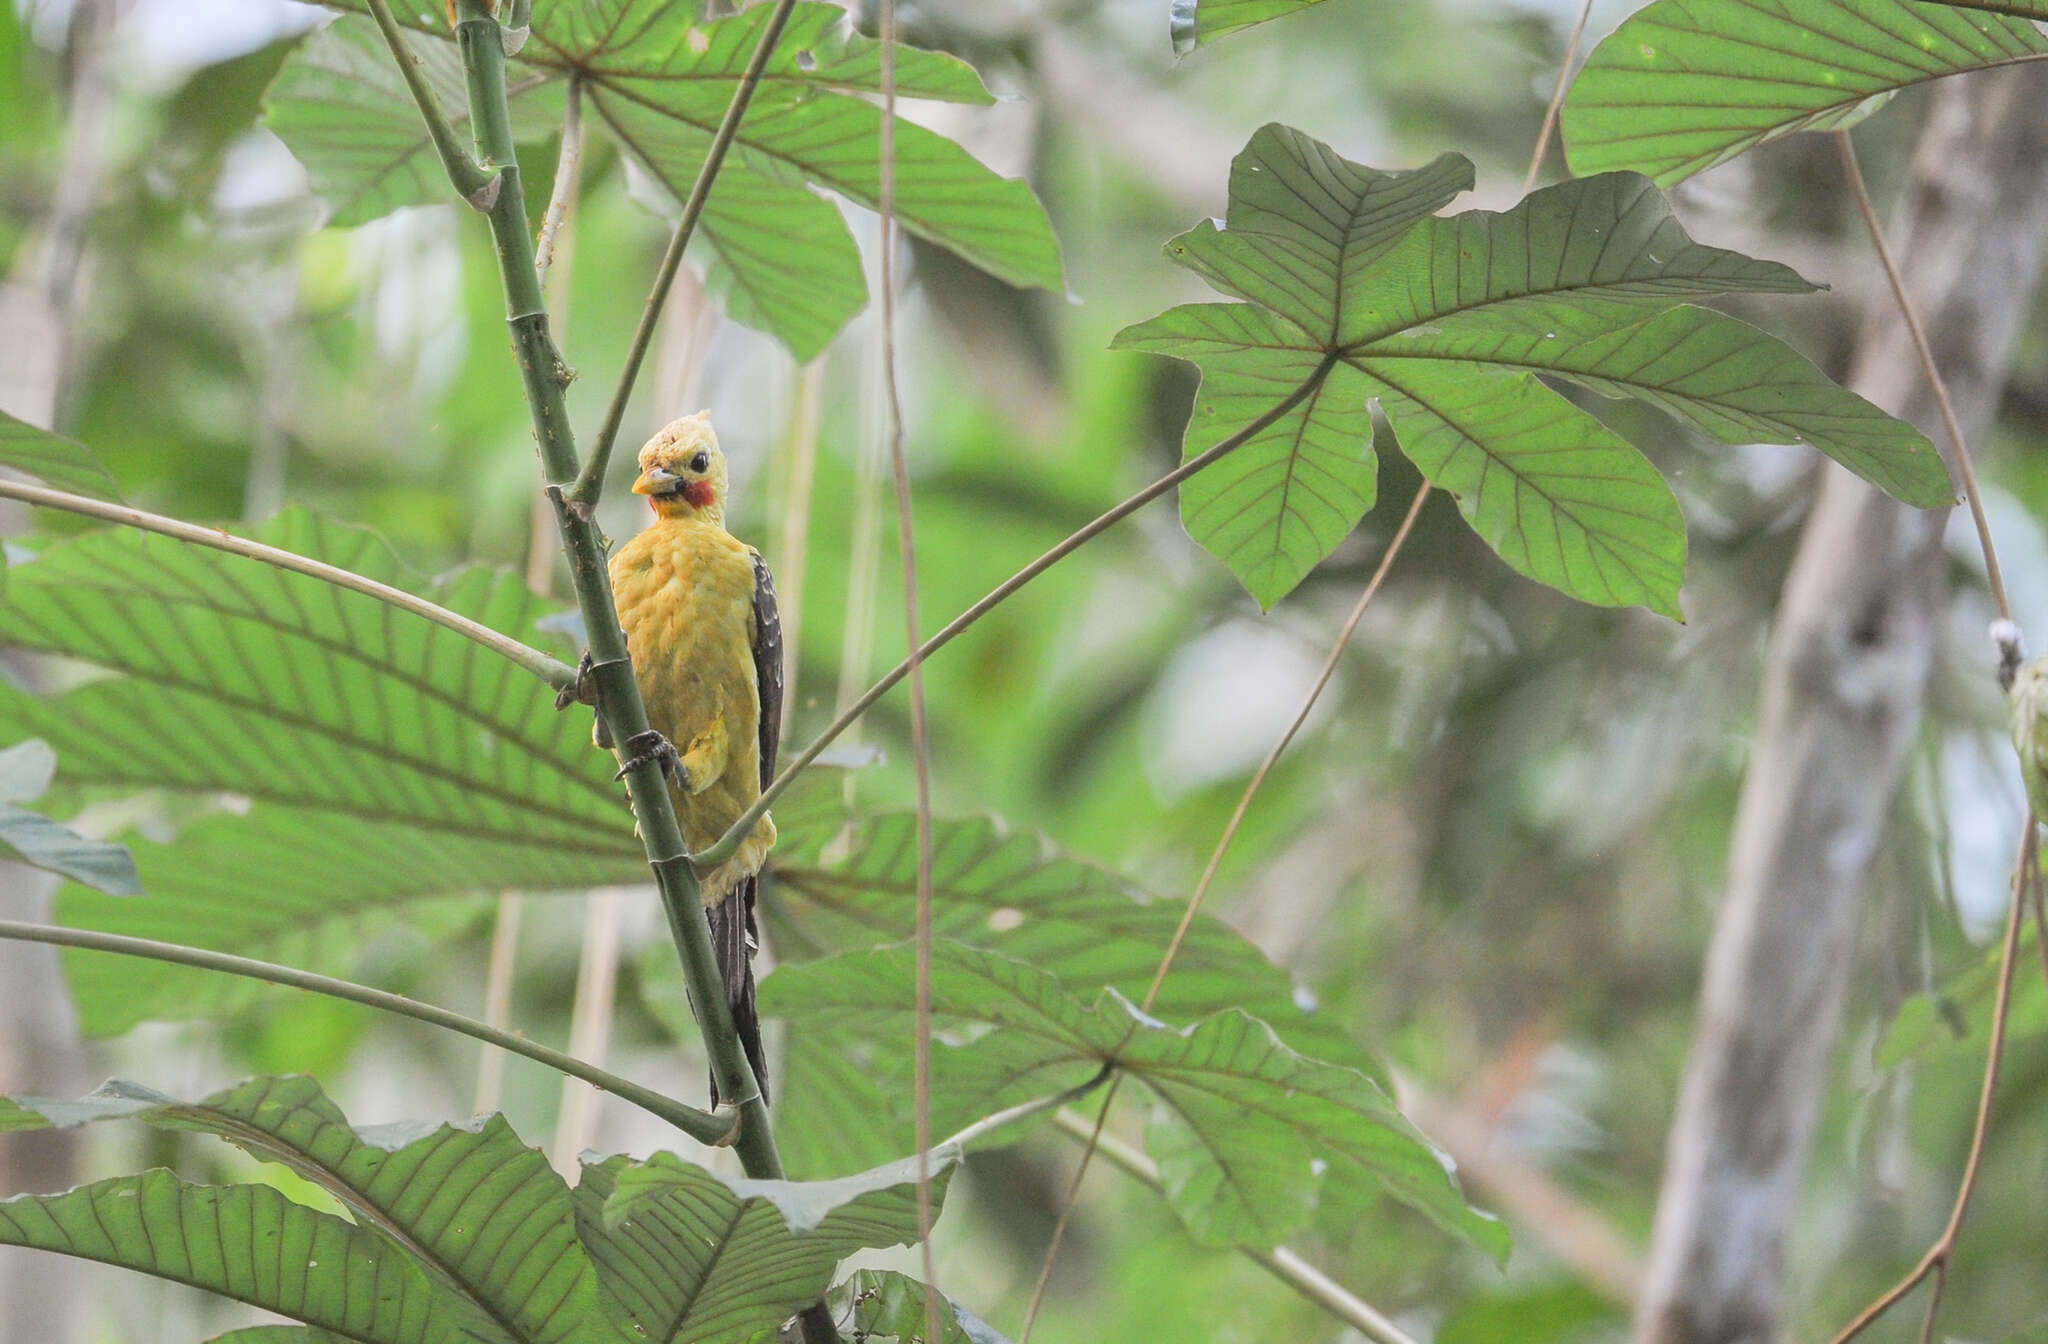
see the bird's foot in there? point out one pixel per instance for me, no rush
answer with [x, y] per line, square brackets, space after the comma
[651, 746]
[583, 690]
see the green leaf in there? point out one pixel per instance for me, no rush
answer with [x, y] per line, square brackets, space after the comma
[690, 1256]
[1956, 1018]
[245, 1242]
[292, 885]
[1683, 85]
[53, 460]
[1013, 893]
[888, 1308]
[1357, 293]
[342, 107]
[1248, 1125]
[284, 688]
[30, 838]
[837, 885]
[1196, 23]
[389, 759]
[779, 255]
[483, 1219]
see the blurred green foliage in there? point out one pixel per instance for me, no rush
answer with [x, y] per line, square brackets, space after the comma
[1494, 853]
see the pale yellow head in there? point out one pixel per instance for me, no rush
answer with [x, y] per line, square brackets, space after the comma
[682, 472]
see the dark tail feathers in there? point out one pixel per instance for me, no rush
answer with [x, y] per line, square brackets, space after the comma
[733, 940]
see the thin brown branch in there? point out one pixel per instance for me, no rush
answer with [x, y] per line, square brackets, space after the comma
[550, 670]
[1564, 81]
[1959, 452]
[1194, 904]
[562, 199]
[590, 481]
[704, 1126]
[1067, 1202]
[2026, 879]
[920, 723]
[490, 1067]
[1258, 779]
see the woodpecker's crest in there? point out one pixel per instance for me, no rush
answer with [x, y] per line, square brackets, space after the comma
[682, 472]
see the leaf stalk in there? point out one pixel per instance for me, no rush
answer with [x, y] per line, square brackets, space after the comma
[553, 671]
[477, 184]
[715, 1129]
[590, 483]
[729, 843]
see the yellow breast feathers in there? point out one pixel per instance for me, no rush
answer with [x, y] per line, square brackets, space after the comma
[685, 594]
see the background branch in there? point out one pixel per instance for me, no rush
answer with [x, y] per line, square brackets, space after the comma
[703, 1126]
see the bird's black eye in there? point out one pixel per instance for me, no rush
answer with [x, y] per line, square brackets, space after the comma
[699, 462]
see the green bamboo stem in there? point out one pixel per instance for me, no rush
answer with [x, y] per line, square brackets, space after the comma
[550, 670]
[729, 843]
[590, 483]
[477, 184]
[546, 378]
[704, 1126]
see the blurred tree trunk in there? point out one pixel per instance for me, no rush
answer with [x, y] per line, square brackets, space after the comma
[1841, 702]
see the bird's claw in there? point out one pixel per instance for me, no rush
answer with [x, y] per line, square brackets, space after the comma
[651, 746]
[583, 690]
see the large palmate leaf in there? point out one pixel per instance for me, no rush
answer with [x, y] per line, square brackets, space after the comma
[660, 83]
[1247, 1130]
[53, 459]
[837, 885]
[1358, 293]
[281, 1256]
[29, 837]
[301, 887]
[691, 1256]
[458, 1232]
[1013, 893]
[1197, 23]
[389, 759]
[1685, 84]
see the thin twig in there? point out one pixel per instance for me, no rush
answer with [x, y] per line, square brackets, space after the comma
[1286, 1265]
[562, 199]
[550, 670]
[590, 481]
[920, 723]
[490, 1067]
[1067, 1202]
[729, 843]
[1251, 789]
[1194, 904]
[1564, 80]
[590, 1024]
[1959, 452]
[477, 184]
[2025, 879]
[703, 1126]
[792, 560]
[1023, 1110]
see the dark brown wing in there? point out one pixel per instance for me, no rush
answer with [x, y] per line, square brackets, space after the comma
[767, 665]
[734, 935]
